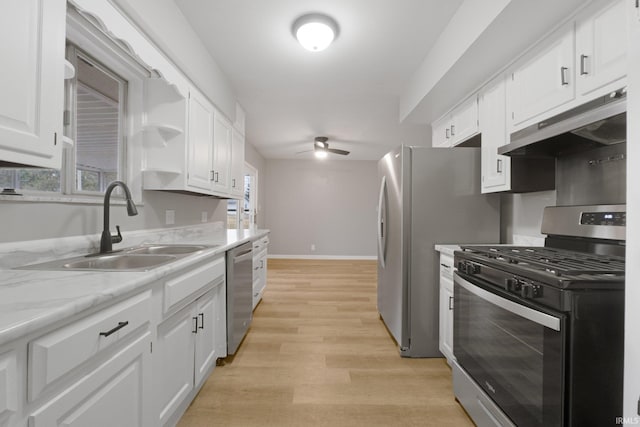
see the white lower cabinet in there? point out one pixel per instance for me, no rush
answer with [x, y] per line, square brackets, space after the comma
[8, 386]
[188, 343]
[138, 362]
[446, 307]
[260, 249]
[175, 348]
[113, 394]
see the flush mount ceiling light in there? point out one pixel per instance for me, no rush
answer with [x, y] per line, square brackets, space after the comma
[315, 31]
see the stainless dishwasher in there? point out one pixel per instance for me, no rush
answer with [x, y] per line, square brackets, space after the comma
[239, 294]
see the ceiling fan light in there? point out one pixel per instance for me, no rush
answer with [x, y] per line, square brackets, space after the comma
[320, 154]
[315, 32]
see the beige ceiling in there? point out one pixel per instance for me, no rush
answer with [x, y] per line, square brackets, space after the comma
[349, 93]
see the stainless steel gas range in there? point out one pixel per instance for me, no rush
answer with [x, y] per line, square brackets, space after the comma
[539, 331]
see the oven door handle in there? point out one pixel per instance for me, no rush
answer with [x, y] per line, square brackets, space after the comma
[538, 317]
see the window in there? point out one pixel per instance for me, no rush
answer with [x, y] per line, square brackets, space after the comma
[242, 213]
[97, 106]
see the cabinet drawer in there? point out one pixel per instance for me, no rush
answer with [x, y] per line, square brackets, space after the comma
[55, 354]
[8, 384]
[181, 287]
[261, 243]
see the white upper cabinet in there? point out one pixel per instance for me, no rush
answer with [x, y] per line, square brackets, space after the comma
[584, 59]
[200, 142]
[221, 153]
[495, 168]
[440, 132]
[32, 83]
[544, 80]
[601, 47]
[457, 126]
[464, 121]
[237, 165]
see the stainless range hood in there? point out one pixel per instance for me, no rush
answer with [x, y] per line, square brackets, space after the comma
[602, 121]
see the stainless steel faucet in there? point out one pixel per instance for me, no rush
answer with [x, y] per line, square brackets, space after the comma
[107, 239]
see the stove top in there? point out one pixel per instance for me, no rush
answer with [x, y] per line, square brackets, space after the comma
[558, 267]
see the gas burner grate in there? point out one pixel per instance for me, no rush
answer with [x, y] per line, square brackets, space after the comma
[558, 262]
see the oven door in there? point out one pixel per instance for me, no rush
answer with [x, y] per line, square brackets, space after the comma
[512, 350]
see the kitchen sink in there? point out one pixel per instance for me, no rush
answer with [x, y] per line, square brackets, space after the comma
[139, 258]
[166, 249]
[126, 261]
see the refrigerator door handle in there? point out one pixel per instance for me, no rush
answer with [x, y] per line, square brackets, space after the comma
[382, 219]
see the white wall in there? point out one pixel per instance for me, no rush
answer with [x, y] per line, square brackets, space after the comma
[632, 289]
[164, 23]
[521, 217]
[35, 220]
[330, 203]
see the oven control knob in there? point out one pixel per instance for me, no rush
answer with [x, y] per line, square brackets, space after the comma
[473, 268]
[530, 290]
[512, 284]
[462, 266]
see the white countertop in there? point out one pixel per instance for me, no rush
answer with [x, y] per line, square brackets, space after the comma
[447, 249]
[32, 299]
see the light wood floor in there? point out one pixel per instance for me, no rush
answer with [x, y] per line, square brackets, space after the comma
[317, 354]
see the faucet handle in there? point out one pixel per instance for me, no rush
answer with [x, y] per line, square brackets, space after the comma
[118, 237]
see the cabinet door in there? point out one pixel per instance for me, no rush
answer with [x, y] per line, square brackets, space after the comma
[200, 143]
[495, 168]
[545, 81]
[446, 317]
[464, 123]
[237, 164]
[114, 394]
[601, 46]
[205, 351]
[173, 363]
[441, 132]
[32, 83]
[220, 317]
[221, 153]
[8, 385]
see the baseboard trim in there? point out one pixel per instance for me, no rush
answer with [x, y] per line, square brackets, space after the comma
[329, 257]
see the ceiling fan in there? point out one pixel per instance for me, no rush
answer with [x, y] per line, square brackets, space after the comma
[321, 148]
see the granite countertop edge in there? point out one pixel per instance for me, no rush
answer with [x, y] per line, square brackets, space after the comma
[31, 300]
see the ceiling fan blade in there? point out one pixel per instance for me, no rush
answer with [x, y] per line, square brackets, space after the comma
[305, 151]
[338, 151]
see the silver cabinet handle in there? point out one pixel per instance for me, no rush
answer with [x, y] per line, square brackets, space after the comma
[499, 165]
[446, 133]
[583, 65]
[563, 76]
[195, 327]
[215, 174]
[450, 303]
[212, 177]
[201, 320]
[453, 130]
[233, 182]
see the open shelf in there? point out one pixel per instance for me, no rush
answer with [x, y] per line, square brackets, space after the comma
[165, 131]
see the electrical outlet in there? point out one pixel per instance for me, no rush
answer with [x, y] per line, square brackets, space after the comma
[204, 217]
[169, 217]
[313, 247]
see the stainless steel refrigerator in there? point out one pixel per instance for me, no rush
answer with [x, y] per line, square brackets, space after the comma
[427, 196]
